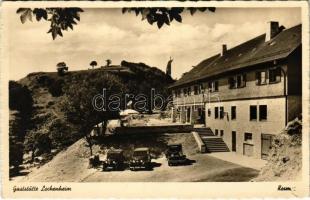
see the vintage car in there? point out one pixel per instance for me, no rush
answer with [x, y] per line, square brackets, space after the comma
[115, 160]
[141, 159]
[175, 156]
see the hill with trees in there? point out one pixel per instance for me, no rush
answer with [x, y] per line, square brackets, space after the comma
[58, 109]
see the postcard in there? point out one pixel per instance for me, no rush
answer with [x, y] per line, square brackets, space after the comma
[155, 99]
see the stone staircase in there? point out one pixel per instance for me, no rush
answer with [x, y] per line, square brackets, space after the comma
[213, 143]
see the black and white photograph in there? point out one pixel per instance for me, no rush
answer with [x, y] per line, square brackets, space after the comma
[206, 94]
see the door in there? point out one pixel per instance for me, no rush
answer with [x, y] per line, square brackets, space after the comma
[248, 149]
[233, 141]
[266, 145]
[188, 115]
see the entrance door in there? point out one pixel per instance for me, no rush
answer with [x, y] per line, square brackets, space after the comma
[266, 145]
[248, 149]
[233, 141]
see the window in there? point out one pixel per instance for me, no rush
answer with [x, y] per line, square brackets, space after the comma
[197, 89]
[253, 112]
[213, 86]
[222, 133]
[261, 78]
[209, 112]
[262, 112]
[237, 81]
[233, 112]
[275, 75]
[216, 132]
[189, 91]
[216, 86]
[221, 112]
[241, 81]
[231, 82]
[216, 112]
[247, 137]
[185, 92]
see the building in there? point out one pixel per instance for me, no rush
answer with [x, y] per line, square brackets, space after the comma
[245, 94]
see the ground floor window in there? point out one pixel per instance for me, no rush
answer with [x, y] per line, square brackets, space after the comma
[222, 133]
[209, 112]
[247, 137]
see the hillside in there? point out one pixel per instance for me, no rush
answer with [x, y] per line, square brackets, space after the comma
[56, 119]
[285, 157]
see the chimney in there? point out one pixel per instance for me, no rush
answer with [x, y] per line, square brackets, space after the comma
[272, 30]
[224, 49]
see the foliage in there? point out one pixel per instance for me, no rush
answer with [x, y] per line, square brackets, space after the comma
[63, 18]
[19, 97]
[20, 100]
[55, 88]
[93, 64]
[62, 68]
[161, 16]
[38, 142]
[15, 152]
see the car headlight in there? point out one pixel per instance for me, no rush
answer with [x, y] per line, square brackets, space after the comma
[133, 161]
[141, 161]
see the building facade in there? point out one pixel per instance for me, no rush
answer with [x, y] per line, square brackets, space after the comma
[246, 94]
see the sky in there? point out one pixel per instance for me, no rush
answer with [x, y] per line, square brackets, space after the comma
[108, 34]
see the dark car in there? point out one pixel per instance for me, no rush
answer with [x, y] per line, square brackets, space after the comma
[141, 159]
[115, 160]
[175, 156]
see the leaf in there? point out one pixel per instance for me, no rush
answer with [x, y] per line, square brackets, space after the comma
[178, 18]
[212, 9]
[39, 13]
[21, 10]
[166, 19]
[160, 22]
[27, 14]
[124, 10]
[192, 10]
[54, 33]
[145, 12]
[59, 32]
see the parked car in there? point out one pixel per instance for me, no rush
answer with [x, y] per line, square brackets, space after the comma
[141, 159]
[175, 156]
[115, 160]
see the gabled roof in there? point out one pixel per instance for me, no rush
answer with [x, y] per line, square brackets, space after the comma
[252, 52]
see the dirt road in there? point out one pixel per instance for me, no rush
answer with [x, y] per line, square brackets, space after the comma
[71, 165]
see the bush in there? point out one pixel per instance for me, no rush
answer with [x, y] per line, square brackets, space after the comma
[55, 88]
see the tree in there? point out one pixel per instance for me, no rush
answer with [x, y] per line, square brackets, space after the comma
[108, 62]
[78, 106]
[93, 64]
[61, 19]
[62, 68]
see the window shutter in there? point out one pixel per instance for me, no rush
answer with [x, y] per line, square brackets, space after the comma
[243, 80]
[278, 74]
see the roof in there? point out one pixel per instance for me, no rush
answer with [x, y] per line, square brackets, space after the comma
[249, 53]
[142, 149]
